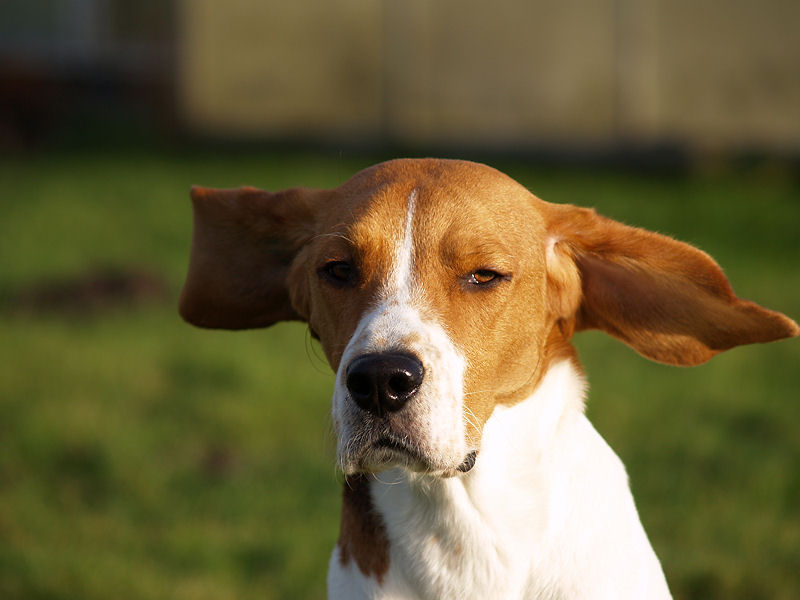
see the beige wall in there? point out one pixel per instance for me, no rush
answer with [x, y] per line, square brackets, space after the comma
[708, 73]
[458, 71]
[264, 68]
[732, 74]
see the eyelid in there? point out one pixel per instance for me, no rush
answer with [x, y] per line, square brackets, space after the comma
[498, 277]
[326, 272]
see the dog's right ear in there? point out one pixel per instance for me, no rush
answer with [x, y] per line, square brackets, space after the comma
[243, 245]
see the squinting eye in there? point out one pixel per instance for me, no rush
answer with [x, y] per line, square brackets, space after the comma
[338, 271]
[483, 277]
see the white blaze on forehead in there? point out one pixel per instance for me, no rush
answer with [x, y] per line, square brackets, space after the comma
[400, 279]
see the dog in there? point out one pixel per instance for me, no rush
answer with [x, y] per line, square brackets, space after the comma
[444, 295]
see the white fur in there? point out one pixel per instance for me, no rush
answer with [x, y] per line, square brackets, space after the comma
[400, 284]
[434, 421]
[545, 513]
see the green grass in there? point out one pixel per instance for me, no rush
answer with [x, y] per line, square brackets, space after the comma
[142, 458]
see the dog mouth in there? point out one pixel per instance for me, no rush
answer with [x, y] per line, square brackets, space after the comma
[388, 450]
[392, 444]
[391, 447]
[468, 463]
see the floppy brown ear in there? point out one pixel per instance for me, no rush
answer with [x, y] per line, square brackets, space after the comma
[244, 242]
[668, 300]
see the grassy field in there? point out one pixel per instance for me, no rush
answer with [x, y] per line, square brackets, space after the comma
[142, 458]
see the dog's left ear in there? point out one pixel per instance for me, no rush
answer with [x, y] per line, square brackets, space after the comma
[666, 299]
[243, 245]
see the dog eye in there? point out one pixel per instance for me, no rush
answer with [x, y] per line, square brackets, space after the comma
[338, 272]
[484, 277]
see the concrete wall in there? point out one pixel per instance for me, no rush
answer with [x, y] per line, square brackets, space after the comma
[704, 73]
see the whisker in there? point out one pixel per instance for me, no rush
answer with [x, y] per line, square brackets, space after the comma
[317, 360]
[470, 418]
[377, 478]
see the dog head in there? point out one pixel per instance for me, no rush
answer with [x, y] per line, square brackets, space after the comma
[441, 289]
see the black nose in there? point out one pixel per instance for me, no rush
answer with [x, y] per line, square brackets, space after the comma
[381, 383]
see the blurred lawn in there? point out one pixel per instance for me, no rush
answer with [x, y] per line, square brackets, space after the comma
[142, 458]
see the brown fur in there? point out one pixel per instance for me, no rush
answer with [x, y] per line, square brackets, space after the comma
[668, 300]
[362, 535]
[256, 256]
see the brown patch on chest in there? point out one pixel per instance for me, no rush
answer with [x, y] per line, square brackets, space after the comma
[362, 536]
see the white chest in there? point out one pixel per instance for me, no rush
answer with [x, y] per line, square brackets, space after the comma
[545, 513]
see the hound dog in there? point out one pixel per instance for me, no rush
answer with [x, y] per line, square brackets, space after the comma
[444, 295]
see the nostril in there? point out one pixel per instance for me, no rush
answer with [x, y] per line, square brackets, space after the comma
[401, 384]
[359, 384]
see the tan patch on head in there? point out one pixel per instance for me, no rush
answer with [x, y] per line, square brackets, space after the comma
[362, 226]
[474, 218]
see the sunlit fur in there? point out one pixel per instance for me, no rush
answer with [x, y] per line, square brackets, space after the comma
[546, 511]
